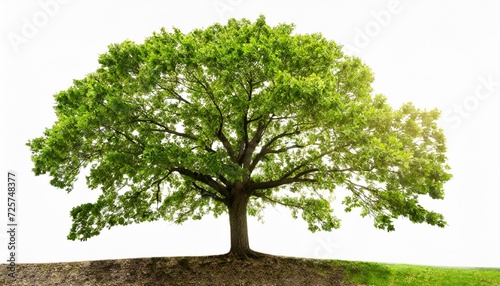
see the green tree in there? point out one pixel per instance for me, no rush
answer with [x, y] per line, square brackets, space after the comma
[233, 117]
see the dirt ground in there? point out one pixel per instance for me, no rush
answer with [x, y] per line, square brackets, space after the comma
[210, 270]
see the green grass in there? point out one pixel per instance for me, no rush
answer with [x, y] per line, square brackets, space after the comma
[368, 273]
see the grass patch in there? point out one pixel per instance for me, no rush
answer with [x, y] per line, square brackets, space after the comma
[368, 273]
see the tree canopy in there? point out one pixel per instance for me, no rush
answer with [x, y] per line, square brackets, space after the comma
[186, 124]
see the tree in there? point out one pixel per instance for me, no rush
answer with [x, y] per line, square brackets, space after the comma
[233, 117]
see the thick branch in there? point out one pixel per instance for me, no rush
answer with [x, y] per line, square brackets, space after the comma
[204, 179]
[245, 157]
[225, 142]
[224, 180]
[206, 193]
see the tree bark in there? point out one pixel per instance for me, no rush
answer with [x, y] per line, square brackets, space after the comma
[237, 208]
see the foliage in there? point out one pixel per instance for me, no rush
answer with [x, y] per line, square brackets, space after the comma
[175, 127]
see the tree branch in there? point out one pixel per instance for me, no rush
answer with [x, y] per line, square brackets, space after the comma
[204, 179]
[220, 134]
[284, 181]
[224, 180]
[244, 141]
[290, 205]
[194, 205]
[165, 129]
[174, 93]
[368, 202]
[225, 142]
[265, 151]
[246, 156]
[278, 202]
[127, 137]
[158, 183]
[205, 193]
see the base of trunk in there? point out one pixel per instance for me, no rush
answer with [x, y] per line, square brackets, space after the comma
[249, 254]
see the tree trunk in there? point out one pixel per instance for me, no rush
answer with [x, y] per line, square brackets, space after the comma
[237, 207]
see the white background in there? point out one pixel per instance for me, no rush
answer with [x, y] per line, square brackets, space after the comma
[443, 55]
